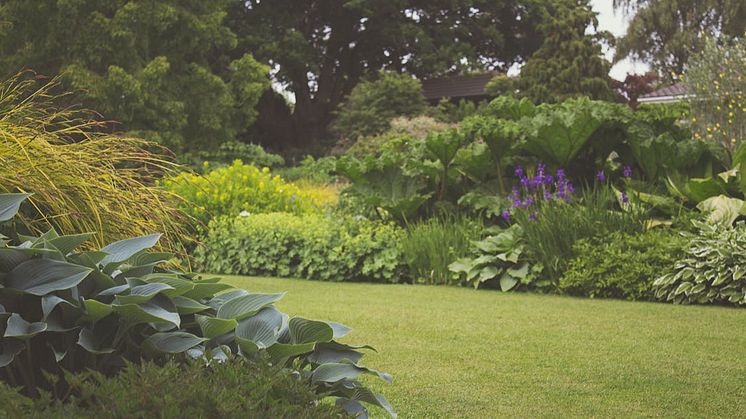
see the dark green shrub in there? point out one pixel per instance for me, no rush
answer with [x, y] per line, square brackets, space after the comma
[308, 246]
[64, 310]
[230, 151]
[319, 170]
[430, 246]
[620, 265]
[235, 389]
[713, 270]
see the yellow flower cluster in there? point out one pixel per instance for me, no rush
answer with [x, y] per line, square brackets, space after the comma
[241, 188]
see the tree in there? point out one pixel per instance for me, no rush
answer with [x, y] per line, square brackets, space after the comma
[569, 62]
[373, 103]
[635, 85]
[166, 70]
[319, 50]
[664, 33]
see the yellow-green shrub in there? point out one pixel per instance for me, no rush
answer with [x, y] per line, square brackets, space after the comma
[230, 190]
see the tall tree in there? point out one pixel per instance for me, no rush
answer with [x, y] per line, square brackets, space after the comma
[664, 33]
[320, 49]
[164, 69]
[570, 61]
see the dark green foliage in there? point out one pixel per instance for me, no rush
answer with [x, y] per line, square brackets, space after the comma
[165, 70]
[69, 311]
[310, 246]
[373, 103]
[570, 62]
[230, 151]
[430, 246]
[620, 265]
[319, 170]
[713, 270]
[233, 389]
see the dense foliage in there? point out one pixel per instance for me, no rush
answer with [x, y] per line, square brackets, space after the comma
[620, 265]
[82, 181]
[308, 246]
[229, 190]
[168, 71]
[712, 271]
[69, 310]
[230, 151]
[233, 389]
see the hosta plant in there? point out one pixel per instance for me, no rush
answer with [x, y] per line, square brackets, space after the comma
[713, 270]
[498, 258]
[68, 310]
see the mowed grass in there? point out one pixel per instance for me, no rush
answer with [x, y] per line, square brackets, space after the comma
[460, 353]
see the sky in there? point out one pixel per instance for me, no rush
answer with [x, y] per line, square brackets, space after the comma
[616, 23]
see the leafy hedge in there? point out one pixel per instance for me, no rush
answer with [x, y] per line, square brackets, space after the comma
[234, 389]
[307, 246]
[67, 310]
[622, 265]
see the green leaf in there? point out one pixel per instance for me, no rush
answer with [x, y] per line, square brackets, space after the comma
[122, 250]
[362, 394]
[463, 265]
[187, 305]
[340, 330]
[173, 342]
[50, 302]
[507, 282]
[305, 331]
[21, 329]
[43, 276]
[95, 310]
[519, 272]
[246, 305]
[334, 352]
[262, 329]
[179, 286]
[10, 203]
[205, 290]
[721, 209]
[280, 351]
[488, 272]
[337, 371]
[150, 312]
[212, 326]
[11, 348]
[143, 293]
[66, 244]
[701, 189]
[88, 340]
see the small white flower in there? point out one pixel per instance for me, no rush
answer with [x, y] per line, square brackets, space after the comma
[244, 213]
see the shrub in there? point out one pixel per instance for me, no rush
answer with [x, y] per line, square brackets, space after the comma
[402, 129]
[230, 151]
[712, 271]
[82, 181]
[620, 265]
[234, 389]
[430, 246]
[315, 170]
[239, 187]
[307, 246]
[372, 104]
[70, 311]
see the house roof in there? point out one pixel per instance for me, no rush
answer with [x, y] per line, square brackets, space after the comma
[673, 93]
[471, 85]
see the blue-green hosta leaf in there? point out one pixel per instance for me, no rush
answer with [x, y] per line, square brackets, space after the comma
[246, 305]
[10, 258]
[463, 265]
[519, 272]
[150, 258]
[187, 305]
[11, 348]
[122, 250]
[180, 286]
[353, 408]
[95, 310]
[205, 290]
[217, 301]
[507, 282]
[143, 293]
[10, 203]
[173, 342]
[151, 312]
[281, 351]
[488, 272]
[119, 289]
[21, 329]
[43, 276]
[340, 330]
[363, 394]
[88, 340]
[337, 371]
[259, 331]
[50, 302]
[722, 209]
[334, 352]
[309, 331]
[66, 244]
[212, 326]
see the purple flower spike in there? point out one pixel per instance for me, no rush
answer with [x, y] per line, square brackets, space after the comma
[525, 182]
[548, 180]
[600, 176]
[533, 216]
[570, 188]
[560, 174]
[625, 198]
[506, 215]
[540, 169]
[518, 171]
[627, 171]
[547, 195]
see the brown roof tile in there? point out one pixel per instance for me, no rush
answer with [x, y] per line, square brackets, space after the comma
[457, 86]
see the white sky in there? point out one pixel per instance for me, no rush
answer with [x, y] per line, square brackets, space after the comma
[616, 23]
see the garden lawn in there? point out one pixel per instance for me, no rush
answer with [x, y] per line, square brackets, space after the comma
[457, 353]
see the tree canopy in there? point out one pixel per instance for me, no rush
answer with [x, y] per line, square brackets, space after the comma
[167, 70]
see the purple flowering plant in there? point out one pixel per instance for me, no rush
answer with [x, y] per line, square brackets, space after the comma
[536, 189]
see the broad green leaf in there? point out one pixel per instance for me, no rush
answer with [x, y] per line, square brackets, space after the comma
[21, 329]
[488, 272]
[507, 282]
[10, 203]
[246, 305]
[95, 310]
[261, 330]
[363, 394]
[10, 258]
[519, 272]
[722, 209]
[701, 189]
[66, 244]
[180, 286]
[340, 330]
[50, 302]
[143, 293]
[187, 305]
[150, 312]
[88, 340]
[305, 331]
[337, 371]
[173, 342]
[463, 265]
[212, 326]
[205, 290]
[122, 250]
[11, 348]
[43, 276]
[280, 351]
[334, 352]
